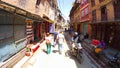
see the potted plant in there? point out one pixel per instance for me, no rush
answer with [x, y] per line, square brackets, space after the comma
[28, 50]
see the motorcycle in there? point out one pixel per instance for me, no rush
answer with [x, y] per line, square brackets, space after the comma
[115, 60]
[76, 51]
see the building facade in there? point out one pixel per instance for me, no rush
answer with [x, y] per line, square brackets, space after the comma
[85, 17]
[105, 19]
[23, 22]
[75, 16]
[80, 16]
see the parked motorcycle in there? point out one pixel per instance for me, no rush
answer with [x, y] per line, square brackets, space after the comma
[115, 60]
[76, 51]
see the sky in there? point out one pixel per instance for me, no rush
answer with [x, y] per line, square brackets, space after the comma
[65, 7]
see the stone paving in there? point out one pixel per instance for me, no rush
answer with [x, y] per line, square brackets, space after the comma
[54, 60]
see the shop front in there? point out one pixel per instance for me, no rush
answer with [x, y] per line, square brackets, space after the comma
[16, 31]
[33, 28]
[49, 24]
[108, 32]
[37, 31]
[84, 28]
[12, 33]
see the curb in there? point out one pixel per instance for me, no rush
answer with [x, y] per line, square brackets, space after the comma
[26, 58]
[98, 66]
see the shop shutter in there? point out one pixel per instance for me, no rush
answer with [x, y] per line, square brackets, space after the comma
[12, 30]
[19, 28]
[6, 34]
[6, 27]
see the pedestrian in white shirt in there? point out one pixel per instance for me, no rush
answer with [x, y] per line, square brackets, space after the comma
[60, 40]
[48, 43]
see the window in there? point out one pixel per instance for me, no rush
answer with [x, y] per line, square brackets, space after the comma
[116, 9]
[92, 3]
[78, 1]
[103, 13]
[82, 2]
[94, 16]
[101, 1]
[82, 13]
[103, 10]
[38, 3]
[85, 1]
[86, 11]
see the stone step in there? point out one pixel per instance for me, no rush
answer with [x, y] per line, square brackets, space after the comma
[101, 60]
[14, 59]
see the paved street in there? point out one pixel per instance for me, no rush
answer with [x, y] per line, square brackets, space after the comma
[25, 25]
[41, 60]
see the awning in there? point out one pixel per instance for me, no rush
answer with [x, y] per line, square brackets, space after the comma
[47, 19]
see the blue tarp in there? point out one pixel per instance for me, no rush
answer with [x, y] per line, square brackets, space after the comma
[51, 28]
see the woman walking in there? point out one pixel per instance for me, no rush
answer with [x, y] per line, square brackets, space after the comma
[48, 43]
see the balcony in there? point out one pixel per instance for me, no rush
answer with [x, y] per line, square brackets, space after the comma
[85, 18]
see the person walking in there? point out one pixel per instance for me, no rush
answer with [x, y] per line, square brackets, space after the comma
[55, 36]
[60, 40]
[48, 42]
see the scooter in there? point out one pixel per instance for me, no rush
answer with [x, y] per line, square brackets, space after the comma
[115, 61]
[76, 51]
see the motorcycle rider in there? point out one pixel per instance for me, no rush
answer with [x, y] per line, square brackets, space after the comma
[76, 43]
[115, 60]
[77, 40]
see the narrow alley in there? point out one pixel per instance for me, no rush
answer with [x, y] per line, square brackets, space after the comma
[54, 60]
[29, 29]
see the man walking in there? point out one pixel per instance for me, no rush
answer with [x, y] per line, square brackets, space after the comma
[60, 39]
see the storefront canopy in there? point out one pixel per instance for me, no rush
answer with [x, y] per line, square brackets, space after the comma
[47, 19]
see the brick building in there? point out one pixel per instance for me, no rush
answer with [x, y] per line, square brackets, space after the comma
[75, 16]
[105, 21]
[23, 21]
[80, 16]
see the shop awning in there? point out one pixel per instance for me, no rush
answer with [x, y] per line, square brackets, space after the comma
[50, 21]
[47, 19]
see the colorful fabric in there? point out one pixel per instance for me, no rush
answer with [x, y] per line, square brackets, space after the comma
[95, 42]
[48, 48]
[98, 50]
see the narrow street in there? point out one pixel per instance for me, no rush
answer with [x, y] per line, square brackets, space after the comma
[25, 25]
[41, 60]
